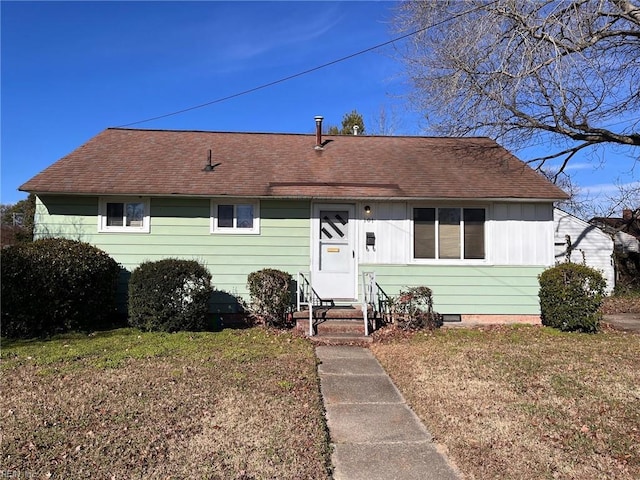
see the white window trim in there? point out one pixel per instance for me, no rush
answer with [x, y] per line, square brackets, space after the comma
[215, 229]
[102, 215]
[449, 261]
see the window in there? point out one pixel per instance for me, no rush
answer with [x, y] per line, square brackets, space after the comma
[232, 217]
[448, 233]
[124, 215]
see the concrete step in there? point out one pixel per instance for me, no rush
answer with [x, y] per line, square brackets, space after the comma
[332, 313]
[341, 339]
[328, 327]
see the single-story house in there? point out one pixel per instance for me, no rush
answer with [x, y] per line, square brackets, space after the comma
[625, 230]
[462, 216]
[584, 243]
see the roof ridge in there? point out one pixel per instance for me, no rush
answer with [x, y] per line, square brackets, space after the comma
[175, 130]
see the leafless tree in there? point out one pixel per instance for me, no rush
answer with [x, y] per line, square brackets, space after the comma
[521, 71]
[385, 122]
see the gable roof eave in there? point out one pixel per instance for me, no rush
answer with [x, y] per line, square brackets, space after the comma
[171, 163]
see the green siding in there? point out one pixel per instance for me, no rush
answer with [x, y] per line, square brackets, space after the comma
[497, 290]
[180, 228]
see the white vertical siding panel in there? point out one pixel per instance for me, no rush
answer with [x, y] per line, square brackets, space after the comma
[394, 241]
[522, 234]
[498, 243]
[544, 218]
[392, 230]
[590, 244]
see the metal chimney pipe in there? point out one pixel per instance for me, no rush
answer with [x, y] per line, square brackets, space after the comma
[318, 119]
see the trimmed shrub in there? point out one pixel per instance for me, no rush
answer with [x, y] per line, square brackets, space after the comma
[412, 309]
[56, 285]
[570, 297]
[170, 295]
[271, 296]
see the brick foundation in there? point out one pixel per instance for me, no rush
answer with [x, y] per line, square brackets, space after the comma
[469, 320]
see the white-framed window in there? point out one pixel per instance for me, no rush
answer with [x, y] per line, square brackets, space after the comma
[449, 233]
[235, 216]
[124, 214]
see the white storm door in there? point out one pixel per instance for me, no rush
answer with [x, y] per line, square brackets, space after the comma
[334, 275]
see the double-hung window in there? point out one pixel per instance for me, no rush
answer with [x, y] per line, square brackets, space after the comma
[449, 233]
[235, 217]
[124, 215]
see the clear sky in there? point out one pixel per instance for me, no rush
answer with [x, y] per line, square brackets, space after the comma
[71, 69]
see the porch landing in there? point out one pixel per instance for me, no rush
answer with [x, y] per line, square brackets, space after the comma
[335, 325]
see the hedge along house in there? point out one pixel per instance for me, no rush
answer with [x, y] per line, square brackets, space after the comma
[460, 215]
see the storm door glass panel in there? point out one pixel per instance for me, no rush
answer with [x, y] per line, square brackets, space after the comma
[474, 219]
[115, 214]
[449, 232]
[135, 214]
[225, 216]
[335, 253]
[424, 233]
[333, 225]
[245, 216]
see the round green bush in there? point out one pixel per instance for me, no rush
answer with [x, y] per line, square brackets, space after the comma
[56, 285]
[271, 296]
[570, 297]
[170, 295]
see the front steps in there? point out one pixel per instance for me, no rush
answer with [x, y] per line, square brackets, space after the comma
[337, 325]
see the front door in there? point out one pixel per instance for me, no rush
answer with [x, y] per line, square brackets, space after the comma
[334, 259]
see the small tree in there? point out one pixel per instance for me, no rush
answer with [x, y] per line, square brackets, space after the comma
[349, 121]
[18, 221]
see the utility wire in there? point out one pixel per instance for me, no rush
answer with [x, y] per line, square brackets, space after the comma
[305, 72]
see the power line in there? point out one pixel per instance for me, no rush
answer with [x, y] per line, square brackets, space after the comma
[305, 72]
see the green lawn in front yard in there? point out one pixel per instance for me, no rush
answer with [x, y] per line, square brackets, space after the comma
[525, 403]
[236, 404]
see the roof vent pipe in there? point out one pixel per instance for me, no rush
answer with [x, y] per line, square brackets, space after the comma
[355, 129]
[318, 119]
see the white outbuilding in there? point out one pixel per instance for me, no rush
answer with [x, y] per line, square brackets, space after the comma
[586, 243]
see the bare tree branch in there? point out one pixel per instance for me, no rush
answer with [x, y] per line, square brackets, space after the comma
[511, 69]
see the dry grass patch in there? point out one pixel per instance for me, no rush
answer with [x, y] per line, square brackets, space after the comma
[525, 402]
[124, 404]
[621, 304]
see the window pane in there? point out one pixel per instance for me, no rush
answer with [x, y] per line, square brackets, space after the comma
[115, 213]
[424, 233]
[245, 216]
[225, 216]
[449, 232]
[474, 219]
[135, 214]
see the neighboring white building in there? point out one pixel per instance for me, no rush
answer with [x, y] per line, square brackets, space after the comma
[589, 244]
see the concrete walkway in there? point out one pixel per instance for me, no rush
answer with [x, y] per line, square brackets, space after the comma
[375, 435]
[629, 322]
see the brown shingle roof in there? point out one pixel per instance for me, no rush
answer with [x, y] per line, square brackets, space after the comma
[162, 162]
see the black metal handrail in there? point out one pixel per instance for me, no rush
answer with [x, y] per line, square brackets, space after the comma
[375, 297]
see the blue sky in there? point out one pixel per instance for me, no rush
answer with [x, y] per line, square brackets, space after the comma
[72, 69]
